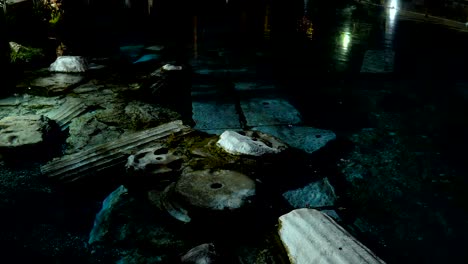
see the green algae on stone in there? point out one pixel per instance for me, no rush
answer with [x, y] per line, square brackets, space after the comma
[202, 153]
[136, 116]
[22, 54]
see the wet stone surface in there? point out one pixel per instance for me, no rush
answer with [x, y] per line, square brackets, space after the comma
[370, 98]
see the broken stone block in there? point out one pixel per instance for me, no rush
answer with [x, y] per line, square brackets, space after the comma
[316, 194]
[155, 160]
[155, 48]
[24, 131]
[69, 64]
[131, 52]
[170, 86]
[170, 67]
[310, 236]
[252, 143]
[378, 61]
[118, 118]
[204, 253]
[72, 108]
[267, 112]
[168, 202]
[148, 58]
[86, 131]
[308, 139]
[215, 190]
[55, 84]
[128, 224]
[102, 220]
[141, 115]
[210, 116]
[108, 155]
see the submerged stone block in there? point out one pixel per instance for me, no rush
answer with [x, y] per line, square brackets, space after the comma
[316, 194]
[264, 112]
[378, 61]
[56, 83]
[103, 218]
[131, 52]
[308, 139]
[215, 116]
[147, 58]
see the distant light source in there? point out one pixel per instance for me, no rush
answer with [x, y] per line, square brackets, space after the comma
[393, 9]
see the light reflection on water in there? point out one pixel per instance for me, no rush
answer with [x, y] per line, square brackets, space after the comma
[267, 22]
[347, 31]
[344, 44]
[306, 27]
[338, 39]
[392, 8]
[346, 37]
[346, 40]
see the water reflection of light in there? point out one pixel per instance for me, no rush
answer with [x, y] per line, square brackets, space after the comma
[345, 40]
[392, 10]
[306, 26]
[267, 23]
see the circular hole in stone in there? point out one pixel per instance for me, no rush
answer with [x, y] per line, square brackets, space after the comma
[161, 151]
[340, 248]
[159, 158]
[216, 185]
[318, 136]
[13, 139]
[139, 156]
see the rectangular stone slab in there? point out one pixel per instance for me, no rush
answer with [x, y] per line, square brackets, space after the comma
[310, 236]
[266, 112]
[309, 139]
[378, 61]
[214, 116]
[108, 155]
[57, 83]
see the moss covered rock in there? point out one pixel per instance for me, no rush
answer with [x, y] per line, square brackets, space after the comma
[20, 54]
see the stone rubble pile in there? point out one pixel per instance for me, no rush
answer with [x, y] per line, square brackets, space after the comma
[181, 190]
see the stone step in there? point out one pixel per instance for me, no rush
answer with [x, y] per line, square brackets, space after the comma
[108, 155]
[72, 108]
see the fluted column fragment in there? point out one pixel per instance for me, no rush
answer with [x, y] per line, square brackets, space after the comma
[97, 158]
